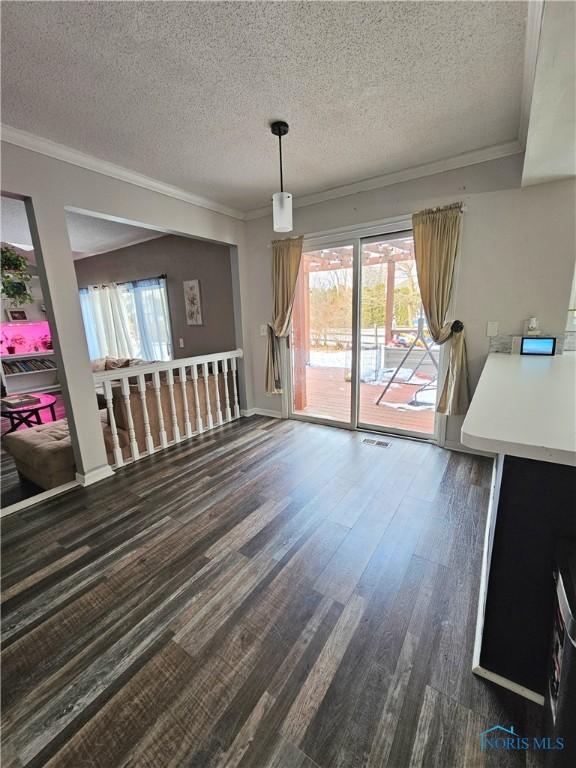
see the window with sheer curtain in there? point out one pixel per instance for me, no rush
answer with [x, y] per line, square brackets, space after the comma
[127, 320]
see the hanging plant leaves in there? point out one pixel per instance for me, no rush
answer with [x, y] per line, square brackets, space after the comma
[15, 277]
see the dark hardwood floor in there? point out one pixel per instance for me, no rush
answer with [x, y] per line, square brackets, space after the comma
[273, 593]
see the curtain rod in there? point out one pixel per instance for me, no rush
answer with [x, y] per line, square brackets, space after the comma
[123, 282]
[343, 231]
[458, 206]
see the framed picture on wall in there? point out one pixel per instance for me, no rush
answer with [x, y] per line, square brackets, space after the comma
[192, 302]
[16, 314]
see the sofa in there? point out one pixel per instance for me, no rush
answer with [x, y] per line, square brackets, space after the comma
[44, 455]
[111, 364]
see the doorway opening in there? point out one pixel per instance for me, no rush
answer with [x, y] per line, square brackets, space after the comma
[31, 395]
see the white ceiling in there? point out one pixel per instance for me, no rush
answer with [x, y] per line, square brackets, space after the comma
[183, 91]
[88, 235]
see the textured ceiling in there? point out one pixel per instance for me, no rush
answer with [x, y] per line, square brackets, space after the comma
[88, 235]
[183, 91]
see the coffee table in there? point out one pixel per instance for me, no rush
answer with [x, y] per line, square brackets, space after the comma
[29, 415]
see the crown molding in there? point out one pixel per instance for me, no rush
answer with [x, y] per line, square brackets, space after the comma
[531, 46]
[409, 174]
[89, 162]
[74, 157]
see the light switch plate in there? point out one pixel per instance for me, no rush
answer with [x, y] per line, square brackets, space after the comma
[181, 343]
[263, 330]
[492, 328]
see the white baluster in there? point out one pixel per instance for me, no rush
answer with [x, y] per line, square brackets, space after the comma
[175, 427]
[116, 450]
[156, 385]
[227, 410]
[147, 432]
[235, 389]
[125, 386]
[209, 418]
[187, 424]
[219, 418]
[199, 423]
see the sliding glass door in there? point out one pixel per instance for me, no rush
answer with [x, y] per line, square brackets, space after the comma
[398, 365]
[361, 354]
[322, 335]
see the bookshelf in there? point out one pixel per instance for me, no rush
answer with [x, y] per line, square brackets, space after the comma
[25, 370]
[32, 372]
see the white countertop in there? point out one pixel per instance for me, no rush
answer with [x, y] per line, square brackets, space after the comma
[525, 406]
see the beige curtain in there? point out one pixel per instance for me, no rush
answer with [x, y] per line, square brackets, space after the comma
[286, 256]
[436, 241]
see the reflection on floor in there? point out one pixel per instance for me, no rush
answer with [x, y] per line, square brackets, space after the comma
[13, 488]
[329, 395]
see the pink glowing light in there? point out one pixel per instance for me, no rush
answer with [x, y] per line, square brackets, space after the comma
[30, 337]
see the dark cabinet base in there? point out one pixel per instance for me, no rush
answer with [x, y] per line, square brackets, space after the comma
[536, 508]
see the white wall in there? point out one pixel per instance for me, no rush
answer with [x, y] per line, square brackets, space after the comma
[517, 255]
[53, 185]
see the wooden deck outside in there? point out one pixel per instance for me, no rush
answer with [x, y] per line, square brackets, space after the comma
[329, 396]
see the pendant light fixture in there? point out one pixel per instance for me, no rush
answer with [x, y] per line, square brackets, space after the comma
[281, 201]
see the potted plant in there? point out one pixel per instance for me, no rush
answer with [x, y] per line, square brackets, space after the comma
[15, 276]
[46, 341]
[10, 348]
[16, 340]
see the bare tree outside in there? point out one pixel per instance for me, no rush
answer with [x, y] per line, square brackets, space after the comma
[390, 315]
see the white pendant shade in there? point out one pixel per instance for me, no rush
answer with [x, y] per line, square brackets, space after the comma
[282, 211]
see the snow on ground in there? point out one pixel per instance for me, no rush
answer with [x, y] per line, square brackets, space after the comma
[320, 359]
[368, 373]
[425, 399]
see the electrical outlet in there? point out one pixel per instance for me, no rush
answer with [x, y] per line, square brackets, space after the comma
[263, 330]
[492, 328]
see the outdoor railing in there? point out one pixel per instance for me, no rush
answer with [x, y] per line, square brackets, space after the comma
[152, 406]
[372, 336]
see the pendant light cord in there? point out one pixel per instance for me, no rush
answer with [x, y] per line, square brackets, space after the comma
[281, 174]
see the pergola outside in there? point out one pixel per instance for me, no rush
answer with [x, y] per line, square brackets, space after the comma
[307, 384]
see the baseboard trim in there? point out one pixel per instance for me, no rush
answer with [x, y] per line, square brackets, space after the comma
[454, 445]
[95, 475]
[40, 497]
[510, 685]
[261, 412]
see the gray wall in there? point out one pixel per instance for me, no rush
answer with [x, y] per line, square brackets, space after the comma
[179, 258]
